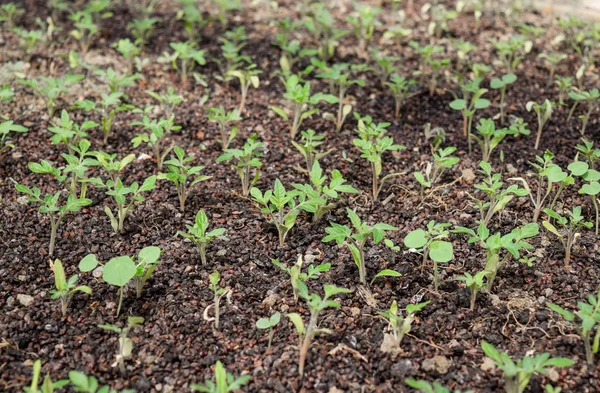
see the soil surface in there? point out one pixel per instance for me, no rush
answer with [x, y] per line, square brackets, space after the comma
[176, 346]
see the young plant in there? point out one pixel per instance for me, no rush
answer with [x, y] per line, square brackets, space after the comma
[117, 83]
[275, 203]
[497, 197]
[474, 283]
[301, 101]
[224, 381]
[107, 108]
[295, 272]
[316, 304]
[141, 29]
[218, 292]
[309, 142]
[85, 29]
[129, 51]
[223, 118]
[357, 239]
[167, 101]
[89, 384]
[543, 112]
[569, 228]
[364, 21]
[120, 194]
[592, 98]
[385, 66]
[9, 13]
[269, 323]
[125, 343]
[431, 245]
[5, 128]
[513, 242]
[247, 77]
[66, 289]
[146, 263]
[321, 24]
[586, 149]
[442, 160]
[401, 325]
[552, 59]
[325, 195]
[589, 319]
[511, 52]
[592, 189]
[468, 105]
[183, 59]
[67, 132]
[501, 84]
[339, 79]
[50, 206]
[565, 85]
[547, 175]
[197, 234]
[180, 173]
[489, 137]
[402, 90]
[29, 40]
[517, 375]
[156, 132]
[247, 160]
[50, 89]
[47, 385]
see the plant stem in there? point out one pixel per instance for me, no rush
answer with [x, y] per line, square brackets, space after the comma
[202, 249]
[120, 300]
[436, 279]
[217, 304]
[53, 231]
[539, 134]
[473, 298]
[375, 182]
[595, 208]
[307, 339]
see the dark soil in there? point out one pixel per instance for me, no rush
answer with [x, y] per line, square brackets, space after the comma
[176, 346]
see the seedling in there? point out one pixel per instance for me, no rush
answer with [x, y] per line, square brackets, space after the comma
[592, 188]
[125, 343]
[512, 243]
[401, 325]
[147, 261]
[309, 142]
[384, 65]
[89, 384]
[565, 85]
[219, 292]
[321, 24]
[117, 83]
[296, 273]
[364, 21]
[118, 271]
[552, 59]
[47, 385]
[442, 160]
[497, 197]
[111, 165]
[511, 52]
[223, 118]
[5, 128]
[224, 381]
[426, 59]
[65, 290]
[9, 13]
[440, 17]
[547, 175]
[316, 304]
[50, 206]
[230, 50]
[180, 173]
[569, 228]
[339, 78]
[592, 98]
[401, 90]
[156, 132]
[356, 239]
[193, 21]
[85, 30]
[301, 101]
[586, 149]
[282, 208]
[543, 112]
[183, 59]
[373, 144]
[269, 323]
[325, 195]
[427, 387]
[432, 246]
[167, 100]
[489, 137]
[50, 89]
[247, 77]
[68, 132]
[197, 234]
[468, 105]
[247, 160]
[501, 83]
[589, 318]
[107, 108]
[120, 194]
[141, 28]
[474, 283]
[517, 375]
[29, 40]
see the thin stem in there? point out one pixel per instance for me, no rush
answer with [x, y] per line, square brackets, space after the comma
[53, 231]
[217, 304]
[202, 249]
[121, 290]
[306, 342]
[595, 208]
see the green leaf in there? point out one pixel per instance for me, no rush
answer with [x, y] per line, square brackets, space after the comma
[441, 251]
[386, 273]
[458, 105]
[149, 254]
[297, 321]
[416, 239]
[88, 263]
[119, 270]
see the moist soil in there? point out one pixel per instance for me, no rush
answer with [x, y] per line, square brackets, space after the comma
[176, 346]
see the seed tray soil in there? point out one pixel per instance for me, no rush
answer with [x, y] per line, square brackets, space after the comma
[176, 346]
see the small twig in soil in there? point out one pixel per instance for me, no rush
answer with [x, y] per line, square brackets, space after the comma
[426, 342]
